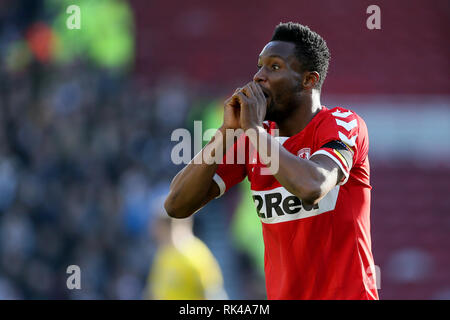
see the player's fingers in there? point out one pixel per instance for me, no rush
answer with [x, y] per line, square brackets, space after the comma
[232, 99]
[229, 101]
[246, 91]
[241, 97]
[251, 90]
[260, 91]
[256, 94]
[235, 91]
[236, 101]
[257, 91]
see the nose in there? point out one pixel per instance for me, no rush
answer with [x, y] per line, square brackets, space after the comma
[260, 76]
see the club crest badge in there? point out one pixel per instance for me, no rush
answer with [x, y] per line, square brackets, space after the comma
[304, 153]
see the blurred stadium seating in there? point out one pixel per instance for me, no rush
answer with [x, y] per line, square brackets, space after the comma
[219, 42]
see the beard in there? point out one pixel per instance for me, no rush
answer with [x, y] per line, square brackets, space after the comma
[279, 109]
[276, 113]
[271, 113]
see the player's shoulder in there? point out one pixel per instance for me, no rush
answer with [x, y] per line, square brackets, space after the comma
[340, 115]
[341, 124]
[344, 124]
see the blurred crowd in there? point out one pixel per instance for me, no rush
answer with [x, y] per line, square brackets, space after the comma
[81, 155]
[85, 156]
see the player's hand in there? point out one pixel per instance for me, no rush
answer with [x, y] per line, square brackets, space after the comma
[253, 105]
[232, 111]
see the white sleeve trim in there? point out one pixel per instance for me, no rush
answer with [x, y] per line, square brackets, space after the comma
[326, 153]
[220, 183]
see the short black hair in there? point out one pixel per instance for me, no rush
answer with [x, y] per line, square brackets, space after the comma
[310, 48]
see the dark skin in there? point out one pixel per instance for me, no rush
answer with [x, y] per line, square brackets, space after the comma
[280, 76]
[280, 91]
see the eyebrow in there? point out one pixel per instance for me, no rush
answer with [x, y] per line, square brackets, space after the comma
[273, 56]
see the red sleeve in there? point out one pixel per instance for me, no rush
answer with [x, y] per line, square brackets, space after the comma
[349, 130]
[232, 170]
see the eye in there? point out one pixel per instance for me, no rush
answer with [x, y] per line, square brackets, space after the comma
[275, 67]
[259, 66]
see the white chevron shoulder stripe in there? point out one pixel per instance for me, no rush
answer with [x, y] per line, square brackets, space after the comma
[349, 141]
[347, 125]
[342, 114]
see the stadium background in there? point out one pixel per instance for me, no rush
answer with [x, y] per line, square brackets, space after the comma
[86, 117]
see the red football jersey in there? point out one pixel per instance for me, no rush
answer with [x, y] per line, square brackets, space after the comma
[324, 252]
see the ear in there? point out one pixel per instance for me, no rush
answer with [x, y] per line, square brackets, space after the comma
[310, 79]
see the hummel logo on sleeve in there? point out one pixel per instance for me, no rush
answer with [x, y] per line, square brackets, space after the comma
[342, 114]
[347, 125]
[348, 141]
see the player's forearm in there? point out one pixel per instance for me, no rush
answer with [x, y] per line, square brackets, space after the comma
[301, 177]
[190, 186]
